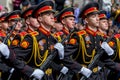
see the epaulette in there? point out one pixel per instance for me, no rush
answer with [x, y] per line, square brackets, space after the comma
[15, 42]
[34, 33]
[22, 33]
[2, 34]
[99, 33]
[58, 33]
[82, 32]
[117, 35]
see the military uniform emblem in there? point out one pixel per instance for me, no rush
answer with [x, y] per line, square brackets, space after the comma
[41, 44]
[24, 44]
[111, 43]
[87, 39]
[72, 41]
[15, 42]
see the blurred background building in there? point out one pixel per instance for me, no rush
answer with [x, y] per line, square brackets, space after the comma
[81, 2]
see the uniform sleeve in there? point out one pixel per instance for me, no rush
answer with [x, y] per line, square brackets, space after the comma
[19, 54]
[109, 63]
[71, 64]
[73, 45]
[19, 64]
[71, 49]
[4, 67]
[24, 49]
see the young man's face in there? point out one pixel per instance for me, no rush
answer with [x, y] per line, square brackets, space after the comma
[18, 25]
[69, 22]
[93, 20]
[104, 24]
[58, 26]
[47, 19]
[110, 22]
[33, 22]
[4, 25]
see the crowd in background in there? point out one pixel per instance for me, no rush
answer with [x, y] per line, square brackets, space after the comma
[110, 9]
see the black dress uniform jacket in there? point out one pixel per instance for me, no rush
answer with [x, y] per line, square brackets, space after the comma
[83, 46]
[35, 47]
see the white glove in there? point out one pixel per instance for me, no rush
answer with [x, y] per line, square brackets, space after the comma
[99, 68]
[60, 49]
[64, 70]
[107, 48]
[4, 50]
[12, 70]
[86, 72]
[38, 74]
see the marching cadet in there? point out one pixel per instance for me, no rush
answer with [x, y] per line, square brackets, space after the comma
[84, 45]
[14, 17]
[102, 31]
[114, 43]
[103, 22]
[67, 19]
[37, 45]
[31, 25]
[14, 20]
[10, 57]
[57, 30]
[4, 27]
[4, 68]
[19, 65]
[20, 36]
[15, 25]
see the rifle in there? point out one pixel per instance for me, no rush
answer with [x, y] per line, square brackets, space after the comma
[46, 64]
[5, 40]
[97, 57]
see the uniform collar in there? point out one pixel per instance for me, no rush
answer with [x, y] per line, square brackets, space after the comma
[117, 35]
[88, 30]
[65, 30]
[102, 34]
[44, 31]
[2, 34]
[29, 30]
[59, 33]
[23, 33]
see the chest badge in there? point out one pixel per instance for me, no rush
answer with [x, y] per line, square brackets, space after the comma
[87, 40]
[41, 44]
